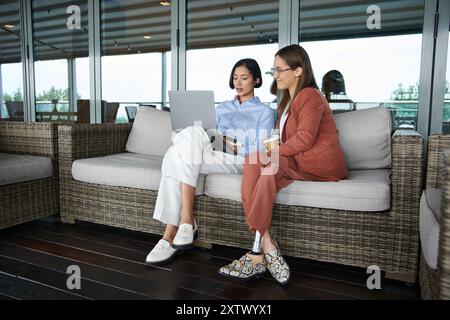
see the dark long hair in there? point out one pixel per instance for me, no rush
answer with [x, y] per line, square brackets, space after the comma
[295, 56]
[252, 66]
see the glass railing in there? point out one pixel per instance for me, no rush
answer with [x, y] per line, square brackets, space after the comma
[404, 113]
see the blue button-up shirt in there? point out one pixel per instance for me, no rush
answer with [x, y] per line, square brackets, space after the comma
[249, 123]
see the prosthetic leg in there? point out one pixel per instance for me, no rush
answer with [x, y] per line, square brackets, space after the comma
[256, 249]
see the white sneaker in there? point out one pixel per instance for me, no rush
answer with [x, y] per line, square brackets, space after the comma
[163, 252]
[184, 239]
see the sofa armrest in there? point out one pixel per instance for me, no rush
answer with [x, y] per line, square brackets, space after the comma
[437, 143]
[407, 174]
[443, 264]
[39, 139]
[80, 141]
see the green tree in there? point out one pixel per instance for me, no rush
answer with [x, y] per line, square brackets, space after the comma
[447, 102]
[447, 90]
[15, 96]
[410, 93]
[398, 93]
[18, 95]
[7, 97]
[53, 94]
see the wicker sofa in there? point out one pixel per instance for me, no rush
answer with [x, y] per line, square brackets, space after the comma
[435, 221]
[28, 172]
[388, 238]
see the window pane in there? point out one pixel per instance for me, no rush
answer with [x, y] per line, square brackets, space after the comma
[128, 78]
[446, 117]
[219, 33]
[168, 76]
[209, 69]
[60, 37]
[82, 78]
[375, 49]
[337, 19]
[11, 82]
[135, 33]
[229, 23]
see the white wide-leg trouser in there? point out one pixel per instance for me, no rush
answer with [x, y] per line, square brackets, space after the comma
[190, 155]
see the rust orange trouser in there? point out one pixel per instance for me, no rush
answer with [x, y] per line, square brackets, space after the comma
[258, 193]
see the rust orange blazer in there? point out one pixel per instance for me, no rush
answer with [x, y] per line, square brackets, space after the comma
[310, 148]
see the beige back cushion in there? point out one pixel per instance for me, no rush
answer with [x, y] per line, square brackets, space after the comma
[151, 132]
[365, 137]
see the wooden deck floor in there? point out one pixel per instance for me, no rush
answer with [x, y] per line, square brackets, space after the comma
[34, 258]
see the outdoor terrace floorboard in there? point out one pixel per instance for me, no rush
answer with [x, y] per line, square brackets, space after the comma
[34, 258]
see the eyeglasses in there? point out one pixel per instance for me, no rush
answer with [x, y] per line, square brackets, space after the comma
[274, 71]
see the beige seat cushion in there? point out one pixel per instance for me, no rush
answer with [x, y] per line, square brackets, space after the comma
[365, 137]
[363, 190]
[123, 170]
[15, 168]
[429, 224]
[434, 201]
[151, 132]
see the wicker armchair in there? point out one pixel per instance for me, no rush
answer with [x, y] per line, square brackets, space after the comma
[29, 200]
[389, 239]
[435, 284]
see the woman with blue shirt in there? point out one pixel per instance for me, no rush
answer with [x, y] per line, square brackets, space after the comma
[243, 124]
[246, 122]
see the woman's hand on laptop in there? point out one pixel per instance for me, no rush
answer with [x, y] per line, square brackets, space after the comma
[230, 142]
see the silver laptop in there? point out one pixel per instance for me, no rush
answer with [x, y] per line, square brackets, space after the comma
[192, 107]
[188, 108]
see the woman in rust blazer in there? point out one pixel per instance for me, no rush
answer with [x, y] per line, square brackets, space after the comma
[309, 150]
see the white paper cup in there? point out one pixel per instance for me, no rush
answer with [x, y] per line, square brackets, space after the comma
[271, 142]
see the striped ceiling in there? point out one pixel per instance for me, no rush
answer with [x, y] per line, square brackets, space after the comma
[210, 23]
